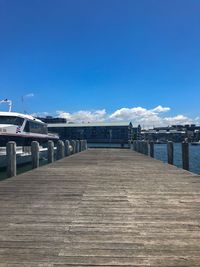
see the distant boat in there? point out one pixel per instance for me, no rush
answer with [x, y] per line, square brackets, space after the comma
[195, 143]
[160, 142]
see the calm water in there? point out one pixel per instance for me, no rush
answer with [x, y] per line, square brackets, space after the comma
[194, 151]
[160, 154]
[21, 168]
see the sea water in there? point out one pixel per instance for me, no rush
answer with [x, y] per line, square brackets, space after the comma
[194, 155]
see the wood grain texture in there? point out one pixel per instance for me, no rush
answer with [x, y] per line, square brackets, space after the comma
[103, 207]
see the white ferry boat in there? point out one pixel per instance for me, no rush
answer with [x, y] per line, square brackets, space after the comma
[23, 129]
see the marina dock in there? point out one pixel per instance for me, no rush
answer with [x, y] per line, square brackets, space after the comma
[101, 207]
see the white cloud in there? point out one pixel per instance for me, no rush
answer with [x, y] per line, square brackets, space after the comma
[197, 120]
[137, 115]
[133, 114]
[160, 109]
[83, 115]
[41, 114]
[179, 119]
[28, 95]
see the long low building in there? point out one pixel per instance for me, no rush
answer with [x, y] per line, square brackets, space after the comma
[101, 132]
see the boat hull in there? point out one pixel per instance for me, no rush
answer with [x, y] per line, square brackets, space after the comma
[25, 141]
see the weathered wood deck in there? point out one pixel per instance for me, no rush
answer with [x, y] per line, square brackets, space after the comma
[104, 207]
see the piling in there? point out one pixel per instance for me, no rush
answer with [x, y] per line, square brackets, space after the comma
[80, 145]
[77, 146]
[134, 145]
[35, 154]
[67, 148]
[151, 145]
[185, 155]
[11, 159]
[130, 144]
[73, 145]
[137, 146]
[50, 153]
[142, 147]
[84, 144]
[146, 148]
[60, 150]
[170, 152]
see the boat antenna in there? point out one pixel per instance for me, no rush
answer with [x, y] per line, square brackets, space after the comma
[9, 102]
[22, 98]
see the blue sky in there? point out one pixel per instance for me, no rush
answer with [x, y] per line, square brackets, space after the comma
[96, 55]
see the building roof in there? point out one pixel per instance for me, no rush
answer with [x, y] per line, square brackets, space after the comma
[90, 124]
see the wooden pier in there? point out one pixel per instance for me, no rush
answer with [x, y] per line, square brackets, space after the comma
[101, 207]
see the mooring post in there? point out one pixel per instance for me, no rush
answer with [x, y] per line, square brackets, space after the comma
[140, 146]
[170, 152]
[134, 145]
[60, 150]
[35, 154]
[50, 152]
[77, 146]
[86, 145]
[73, 145]
[67, 148]
[146, 150]
[137, 146]
[130, 144]
[81, 145]
[151, 149]
[185, 155]
[11, 159]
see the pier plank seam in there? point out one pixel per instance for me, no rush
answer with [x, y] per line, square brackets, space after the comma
[102, 207]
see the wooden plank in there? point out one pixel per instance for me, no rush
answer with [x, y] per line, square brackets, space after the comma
[103, 207]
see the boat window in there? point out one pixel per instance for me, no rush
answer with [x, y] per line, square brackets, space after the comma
[11, 120]
[36, 127]
[27, 127]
